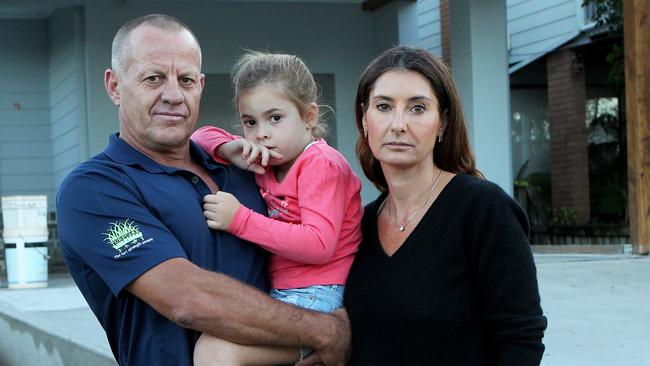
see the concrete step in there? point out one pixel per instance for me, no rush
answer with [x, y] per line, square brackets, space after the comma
[50, 326]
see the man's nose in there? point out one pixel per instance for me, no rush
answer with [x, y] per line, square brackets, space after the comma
[172, 92]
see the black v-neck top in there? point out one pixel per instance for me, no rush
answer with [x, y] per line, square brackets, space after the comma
[461, 290]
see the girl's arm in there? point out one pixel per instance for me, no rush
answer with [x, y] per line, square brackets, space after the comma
[210, 138]
[322, 193]
[226, 148]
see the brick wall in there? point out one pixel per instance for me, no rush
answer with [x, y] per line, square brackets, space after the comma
[445, 33]
[569, 139]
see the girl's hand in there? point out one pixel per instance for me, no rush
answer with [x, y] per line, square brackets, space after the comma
[219, 209]
[247, 155]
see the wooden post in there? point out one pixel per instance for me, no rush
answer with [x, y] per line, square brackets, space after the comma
[636, 15]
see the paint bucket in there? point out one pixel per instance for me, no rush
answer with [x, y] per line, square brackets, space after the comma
[25, 235]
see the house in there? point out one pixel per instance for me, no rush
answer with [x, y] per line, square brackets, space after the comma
[54, 112]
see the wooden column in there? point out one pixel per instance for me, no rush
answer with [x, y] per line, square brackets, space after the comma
[636, 14]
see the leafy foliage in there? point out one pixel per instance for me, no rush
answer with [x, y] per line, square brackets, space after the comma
[609, 14]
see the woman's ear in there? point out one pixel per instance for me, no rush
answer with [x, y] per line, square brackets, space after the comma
[444, 119]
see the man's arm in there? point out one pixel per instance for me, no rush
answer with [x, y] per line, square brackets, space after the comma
[226, 308]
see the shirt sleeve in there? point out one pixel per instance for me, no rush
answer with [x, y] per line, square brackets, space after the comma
[507, 280]
[321, 198]
[104, 224]
[209, 138]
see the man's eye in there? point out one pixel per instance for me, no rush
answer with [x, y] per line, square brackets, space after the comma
[152, 78]
[186, 81]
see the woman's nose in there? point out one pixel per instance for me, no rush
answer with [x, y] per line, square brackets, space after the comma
[398, 124]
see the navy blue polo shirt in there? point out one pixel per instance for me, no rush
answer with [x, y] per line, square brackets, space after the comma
[120, 214]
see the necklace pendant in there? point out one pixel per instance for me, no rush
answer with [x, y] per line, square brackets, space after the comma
[401, 228]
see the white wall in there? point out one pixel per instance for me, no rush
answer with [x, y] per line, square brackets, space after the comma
[25, 147]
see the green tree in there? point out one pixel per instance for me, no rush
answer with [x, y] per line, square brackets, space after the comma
[609, 14]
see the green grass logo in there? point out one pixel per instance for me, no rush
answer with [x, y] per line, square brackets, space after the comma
[121, 234]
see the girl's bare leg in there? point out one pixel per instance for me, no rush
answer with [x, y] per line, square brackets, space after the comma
[211, 351]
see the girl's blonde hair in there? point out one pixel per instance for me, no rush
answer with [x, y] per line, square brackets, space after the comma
[287, 72]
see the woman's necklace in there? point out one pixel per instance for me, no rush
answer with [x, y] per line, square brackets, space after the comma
[403, 226]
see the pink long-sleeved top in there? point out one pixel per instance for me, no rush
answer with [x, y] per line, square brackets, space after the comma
[314, 223]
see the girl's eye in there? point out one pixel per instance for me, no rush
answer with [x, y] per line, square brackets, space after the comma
[383, 107]
[418, 108]
[276, 118]
[249, 123]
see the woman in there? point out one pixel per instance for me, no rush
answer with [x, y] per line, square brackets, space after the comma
[444, 274]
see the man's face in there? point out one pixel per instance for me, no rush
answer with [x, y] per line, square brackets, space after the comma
[159, 89]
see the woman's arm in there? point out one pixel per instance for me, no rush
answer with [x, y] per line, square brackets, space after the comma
[507, 281]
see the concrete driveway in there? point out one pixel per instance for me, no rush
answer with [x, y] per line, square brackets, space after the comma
[598, 309]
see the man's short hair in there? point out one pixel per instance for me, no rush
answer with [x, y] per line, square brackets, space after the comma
[161, 21]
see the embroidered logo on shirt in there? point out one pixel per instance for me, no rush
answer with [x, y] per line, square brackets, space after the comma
[124, 237]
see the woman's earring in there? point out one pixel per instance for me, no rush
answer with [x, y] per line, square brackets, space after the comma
[440, 137]
[365, 133]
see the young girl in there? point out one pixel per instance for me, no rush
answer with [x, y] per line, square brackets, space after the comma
[313, 197]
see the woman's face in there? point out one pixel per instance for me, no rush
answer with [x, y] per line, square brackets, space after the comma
[402, 119]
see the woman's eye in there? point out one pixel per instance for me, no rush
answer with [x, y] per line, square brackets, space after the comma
[383, 106]
[276, 118]
[418, 108]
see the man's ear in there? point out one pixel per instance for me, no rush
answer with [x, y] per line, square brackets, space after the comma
[202, 81]
[111, 82]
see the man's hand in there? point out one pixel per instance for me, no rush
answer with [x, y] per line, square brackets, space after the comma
[219, 209]
[336, 349]
[247, 155]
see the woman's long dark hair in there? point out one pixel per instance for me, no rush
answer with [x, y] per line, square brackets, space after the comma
[453, 154]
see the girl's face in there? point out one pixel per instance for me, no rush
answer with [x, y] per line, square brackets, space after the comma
[271, 119]
[402, 119]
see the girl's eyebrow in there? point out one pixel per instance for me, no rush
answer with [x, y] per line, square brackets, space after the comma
[266, 113]
[272, 110]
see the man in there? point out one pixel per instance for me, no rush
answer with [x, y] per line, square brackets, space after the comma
[132, 228]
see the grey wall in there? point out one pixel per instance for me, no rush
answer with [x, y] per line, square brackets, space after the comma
[25, 134]
[535, 26]
[428, 21]
[333, 38]
[67, 97]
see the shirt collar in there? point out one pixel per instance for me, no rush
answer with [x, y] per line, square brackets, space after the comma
[121, 152]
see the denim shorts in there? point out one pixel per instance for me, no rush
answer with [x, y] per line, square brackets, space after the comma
[324, 298]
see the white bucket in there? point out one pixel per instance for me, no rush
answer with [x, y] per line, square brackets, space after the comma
[25, 235]
[31, 271]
